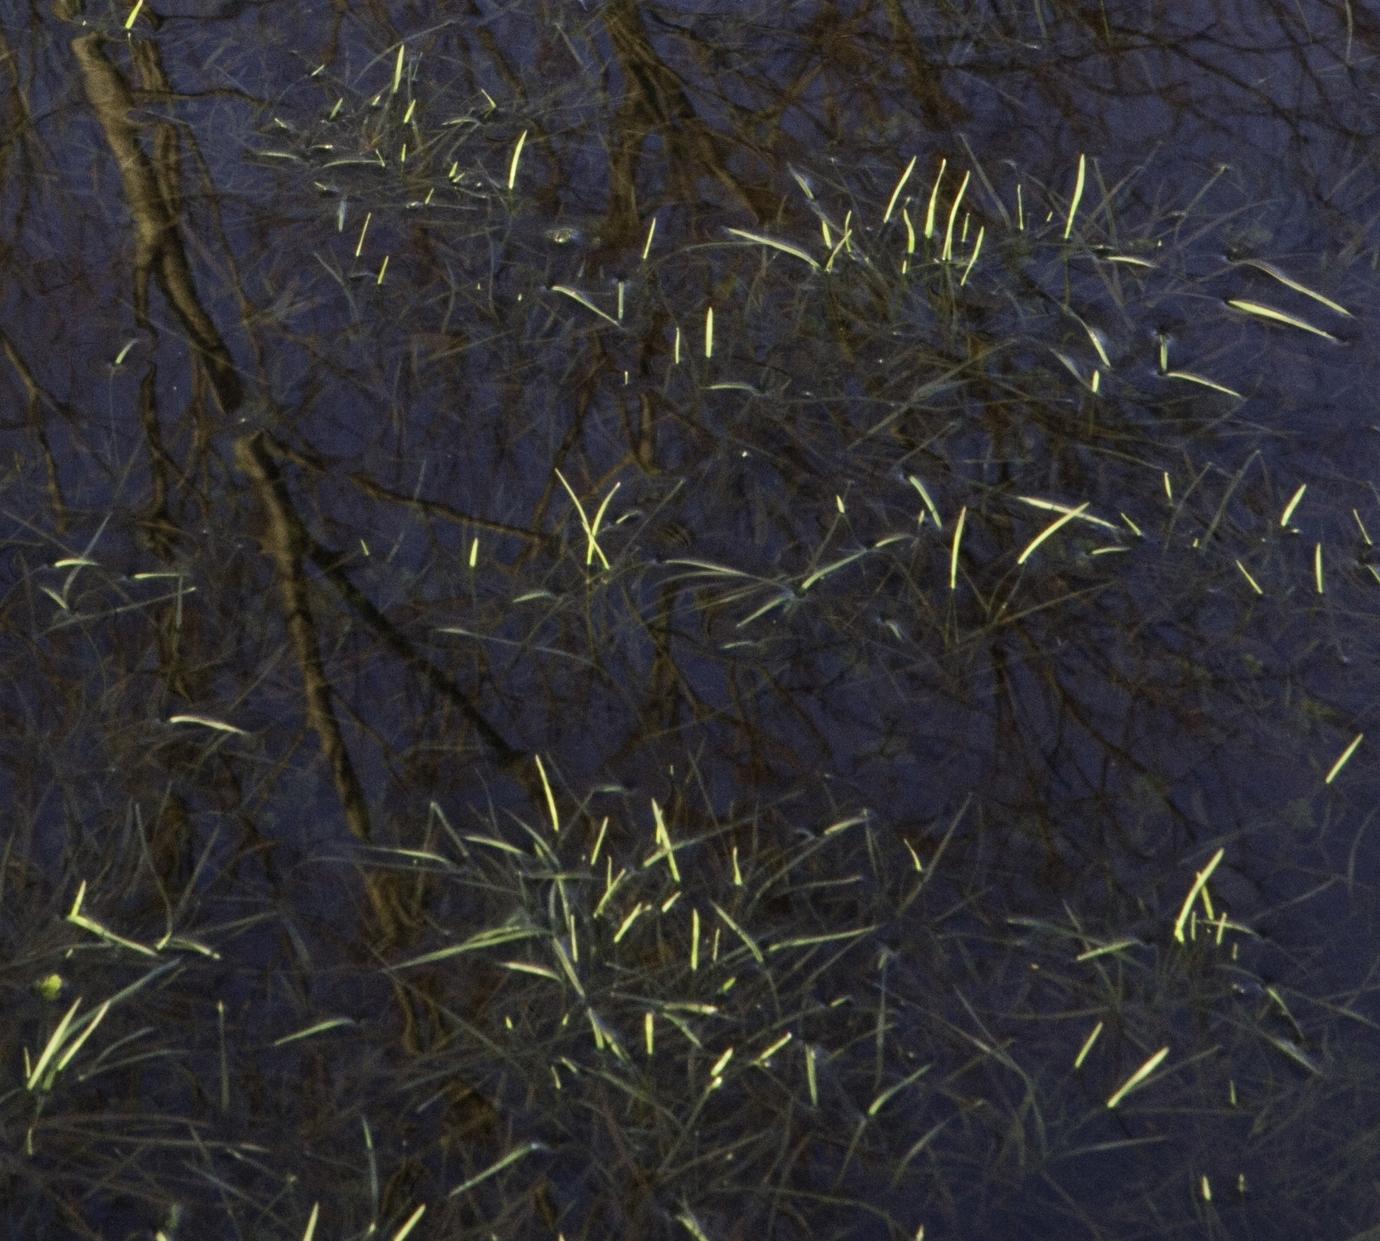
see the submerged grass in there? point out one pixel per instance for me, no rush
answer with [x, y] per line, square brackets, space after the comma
[630, 1028]
[876, 859]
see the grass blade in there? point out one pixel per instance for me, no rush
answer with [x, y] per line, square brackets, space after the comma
[1343, 759]
[1273, 315]
[1050, 530]
[1199, 883]
[1138, 1077]
[784, 246]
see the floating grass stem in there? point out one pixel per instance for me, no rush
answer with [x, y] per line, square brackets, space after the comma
[1343, 758]
[1290, 283]
[1087, 1046]
[1204, 382]
[1049, 531]
[774, 243]
[1138, 1077]
[576, 295]
[1078, 186]
[519, 1152]
[1246, 573]
[1274, 315]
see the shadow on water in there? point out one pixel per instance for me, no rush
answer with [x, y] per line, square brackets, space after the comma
[665, 620]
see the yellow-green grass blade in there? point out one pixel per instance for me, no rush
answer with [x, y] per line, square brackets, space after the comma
[1049, 531]
[1078, 188]
[1137, 1078]
[321, 1027]
[519, 1152]
[1199, 883]
[1203, 381]
[900, 185]
[1344, 758]
[576, 295]
[1290, 283]
[1273, 314]
[774, 243]
[1088, 1043]
[1054, 506]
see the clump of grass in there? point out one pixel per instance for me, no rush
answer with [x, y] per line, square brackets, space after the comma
[791, 792]
[614, 1023]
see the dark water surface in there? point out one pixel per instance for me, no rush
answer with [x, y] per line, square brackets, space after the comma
[525, 608]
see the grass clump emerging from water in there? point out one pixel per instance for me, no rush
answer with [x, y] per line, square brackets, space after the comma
[859, 573]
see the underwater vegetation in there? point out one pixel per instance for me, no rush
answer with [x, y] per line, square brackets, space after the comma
[610, 633]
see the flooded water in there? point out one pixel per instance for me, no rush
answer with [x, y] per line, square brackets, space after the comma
[672, 620]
